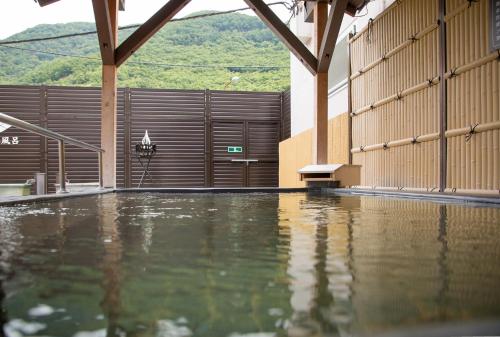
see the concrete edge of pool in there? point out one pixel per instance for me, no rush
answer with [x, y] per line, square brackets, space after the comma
[446, 198]
[424, 196]
[15, 200]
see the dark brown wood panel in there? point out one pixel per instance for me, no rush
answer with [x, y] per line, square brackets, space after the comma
[175, 121]
[226, 172]
[192, 129]
[19, 162]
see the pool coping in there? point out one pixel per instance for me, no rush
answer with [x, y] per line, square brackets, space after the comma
[441, 197]
[215, 190]
[16, 200]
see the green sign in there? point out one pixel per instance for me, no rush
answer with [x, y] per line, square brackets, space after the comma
[234, 149]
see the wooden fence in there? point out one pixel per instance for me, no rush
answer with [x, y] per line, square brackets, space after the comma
[425, 99]
[190, 128]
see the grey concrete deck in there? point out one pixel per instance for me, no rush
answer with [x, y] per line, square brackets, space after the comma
[437, 197]
[8, 201]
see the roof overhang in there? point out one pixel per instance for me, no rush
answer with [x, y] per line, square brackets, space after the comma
[48, 2]
[45, 2]
[352, 7]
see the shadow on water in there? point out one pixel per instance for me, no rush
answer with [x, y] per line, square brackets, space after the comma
[229, 265]
[3, 311]
[443, 263]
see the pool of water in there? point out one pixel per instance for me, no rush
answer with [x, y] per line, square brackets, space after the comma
[255, 265]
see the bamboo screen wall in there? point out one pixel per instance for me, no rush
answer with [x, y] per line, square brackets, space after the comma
[395, 87]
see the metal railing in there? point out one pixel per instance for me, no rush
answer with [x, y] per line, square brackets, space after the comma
[62, 140]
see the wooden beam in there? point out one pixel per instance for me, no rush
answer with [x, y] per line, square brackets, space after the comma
[109, 105]
[320, 129]
[284, 34]
[443, 102]
[331, 33]
[148, 29]
[104, 31]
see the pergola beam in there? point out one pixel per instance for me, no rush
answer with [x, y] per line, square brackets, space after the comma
[331, 34]
[284, 34]
[320, 128]
[148, 29]
[109, 102]
[104, 31]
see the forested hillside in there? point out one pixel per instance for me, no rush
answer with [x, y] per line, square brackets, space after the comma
[194, 54]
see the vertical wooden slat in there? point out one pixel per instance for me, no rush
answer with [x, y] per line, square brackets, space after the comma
[208, 142]
[127, 138]
[349, 99]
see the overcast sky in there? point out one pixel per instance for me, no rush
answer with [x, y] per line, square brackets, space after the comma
[17, 15]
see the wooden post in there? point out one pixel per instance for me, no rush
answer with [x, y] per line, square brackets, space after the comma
[320, 130]
[44, 146]
[443, 107]
[108, 108]
[62, 167]
[349, 99]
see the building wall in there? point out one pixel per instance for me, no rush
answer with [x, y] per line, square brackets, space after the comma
[295, 152]
[302, 85]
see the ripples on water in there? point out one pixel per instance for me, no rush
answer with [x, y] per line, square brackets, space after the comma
[258, 265]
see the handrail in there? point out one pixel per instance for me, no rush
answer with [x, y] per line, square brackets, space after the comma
[46, 133]
[61, 140]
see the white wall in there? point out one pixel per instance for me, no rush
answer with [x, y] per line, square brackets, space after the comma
[302, 85]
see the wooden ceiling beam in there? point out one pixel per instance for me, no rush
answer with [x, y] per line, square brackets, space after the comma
[284, 34]
[148, 29]
[105, 33]
[331, 34]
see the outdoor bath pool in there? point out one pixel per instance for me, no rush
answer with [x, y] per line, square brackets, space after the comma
[220, 265]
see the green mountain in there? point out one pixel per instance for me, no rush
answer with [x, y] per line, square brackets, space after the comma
[217, 48]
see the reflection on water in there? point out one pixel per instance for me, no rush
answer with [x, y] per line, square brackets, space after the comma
[244, 265]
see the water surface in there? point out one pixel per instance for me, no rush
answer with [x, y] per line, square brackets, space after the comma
[245, 265]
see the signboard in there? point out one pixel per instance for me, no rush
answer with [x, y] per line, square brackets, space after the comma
[495, 24]
[234, 149]
[10, 140]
